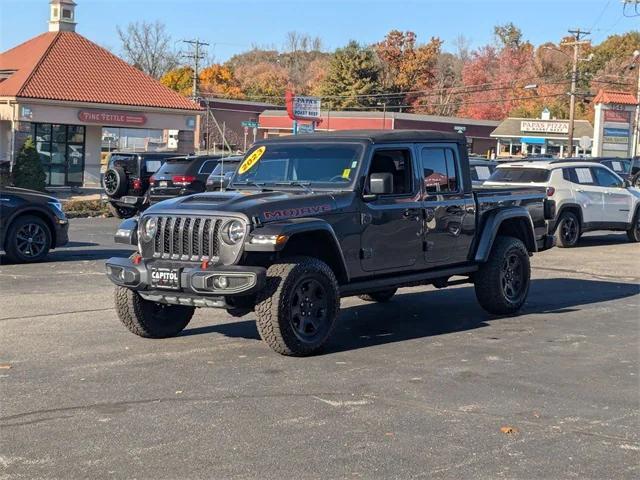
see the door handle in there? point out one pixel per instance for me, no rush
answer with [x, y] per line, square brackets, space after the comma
[579, 190]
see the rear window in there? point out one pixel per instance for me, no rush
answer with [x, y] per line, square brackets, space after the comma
[481, 172]
[618, 166]
[176, 165]
[228, 167]
[520, 175]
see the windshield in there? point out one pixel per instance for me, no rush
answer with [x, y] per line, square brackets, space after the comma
[321, 164]
[520, 175]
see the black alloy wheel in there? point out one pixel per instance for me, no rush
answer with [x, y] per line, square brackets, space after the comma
[31, 240]
[569, 230]
[111, 182]
[512, 277]
[309, 310]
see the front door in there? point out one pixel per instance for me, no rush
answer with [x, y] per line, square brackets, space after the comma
[587, 194]
[618, 201]
[392, 224]
[449, 215]
[61, 151]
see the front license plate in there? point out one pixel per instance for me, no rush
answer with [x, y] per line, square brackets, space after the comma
[130, 200]
[163, 184]
[165, 278]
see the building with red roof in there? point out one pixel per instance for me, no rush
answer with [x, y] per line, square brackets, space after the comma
[62, 89]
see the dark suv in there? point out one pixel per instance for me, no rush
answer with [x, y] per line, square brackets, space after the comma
[223, 173]
[31, 224]
[127, 179]
[181, 176]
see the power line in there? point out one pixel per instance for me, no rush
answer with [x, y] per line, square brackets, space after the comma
[196, 55]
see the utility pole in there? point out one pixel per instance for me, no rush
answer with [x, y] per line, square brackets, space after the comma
[576, 43]
[195, 56]
[636, 123]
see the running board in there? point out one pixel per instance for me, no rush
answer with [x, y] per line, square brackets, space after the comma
[414, 279]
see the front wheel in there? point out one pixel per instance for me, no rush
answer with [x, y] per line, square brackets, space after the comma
[634, 232]
[502, 283]
[297, 310]
[568, 232]
[28, 240]
[149, 319]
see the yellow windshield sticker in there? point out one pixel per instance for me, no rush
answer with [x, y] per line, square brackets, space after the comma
[251, 160]
[345, 173]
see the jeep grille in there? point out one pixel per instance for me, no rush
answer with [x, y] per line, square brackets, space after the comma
[187, 238]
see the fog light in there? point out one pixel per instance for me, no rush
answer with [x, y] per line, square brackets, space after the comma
[220, 282]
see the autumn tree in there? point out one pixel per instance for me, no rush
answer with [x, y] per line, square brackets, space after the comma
[147, 46]
[179, 79]
[353, 74]
[218, 80]
[263, 81]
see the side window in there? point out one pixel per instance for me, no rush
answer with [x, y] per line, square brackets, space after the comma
[398, 163]
[604, 178]
[208, 166]
[439, 170]
[584, 176]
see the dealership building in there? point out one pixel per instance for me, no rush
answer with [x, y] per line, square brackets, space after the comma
[274, 123]
[61, 89]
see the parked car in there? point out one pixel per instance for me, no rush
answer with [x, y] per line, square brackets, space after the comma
[588, 196]
[181, 176]
[627, 168]
[221, 176]
[481, 169]
[126, 180]
[31, 224]
[308, 219]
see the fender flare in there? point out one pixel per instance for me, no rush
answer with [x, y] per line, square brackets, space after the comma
[561, 210]
[292, 227]
[492, 224]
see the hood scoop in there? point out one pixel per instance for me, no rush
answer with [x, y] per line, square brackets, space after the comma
[207, 199]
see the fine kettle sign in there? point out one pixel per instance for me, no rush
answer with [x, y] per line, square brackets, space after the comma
[544, 127]
[112, 117]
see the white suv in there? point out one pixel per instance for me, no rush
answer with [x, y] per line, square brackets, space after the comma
[588, 196]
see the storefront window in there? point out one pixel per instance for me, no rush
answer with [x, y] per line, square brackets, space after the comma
[61, 151]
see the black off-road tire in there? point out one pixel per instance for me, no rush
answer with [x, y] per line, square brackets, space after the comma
[489, 280]
[568, 231]
[634, 232]
[276, 305]
[149, 319]
[381, 296]
[121, 212]
[36, 229]
[115, 182]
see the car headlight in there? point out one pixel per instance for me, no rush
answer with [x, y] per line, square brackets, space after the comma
[149, 228]
[233, 232]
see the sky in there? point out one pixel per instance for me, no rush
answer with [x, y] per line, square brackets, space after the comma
[235, 26]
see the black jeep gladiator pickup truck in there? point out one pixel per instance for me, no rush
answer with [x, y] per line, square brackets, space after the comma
[311, 218]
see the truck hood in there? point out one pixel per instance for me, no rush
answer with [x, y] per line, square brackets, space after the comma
[267, 206]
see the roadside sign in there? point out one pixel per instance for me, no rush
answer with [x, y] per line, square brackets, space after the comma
[585, 142]
[249, 124]
[306, 128]
[306, 107]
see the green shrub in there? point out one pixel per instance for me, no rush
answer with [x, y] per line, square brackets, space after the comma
[28, 171]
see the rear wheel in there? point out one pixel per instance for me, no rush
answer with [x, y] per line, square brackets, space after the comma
[121, 212]
[502, 283]
[28, 240]
[297, 310]
[381, 296]
[568, 232]
[150, 319]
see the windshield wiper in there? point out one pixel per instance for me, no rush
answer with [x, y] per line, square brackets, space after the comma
[295, 183]
[247, 183]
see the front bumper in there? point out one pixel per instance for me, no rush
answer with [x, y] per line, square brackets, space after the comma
[196, 285]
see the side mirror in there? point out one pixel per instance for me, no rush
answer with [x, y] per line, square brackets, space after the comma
[381, 184]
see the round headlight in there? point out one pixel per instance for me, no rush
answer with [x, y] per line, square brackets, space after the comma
[233, 232]
[149, 228]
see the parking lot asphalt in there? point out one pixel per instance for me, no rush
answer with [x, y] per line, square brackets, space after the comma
[426, 386]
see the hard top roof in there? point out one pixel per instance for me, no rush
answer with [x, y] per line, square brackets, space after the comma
[549, 164]
[374, 136]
